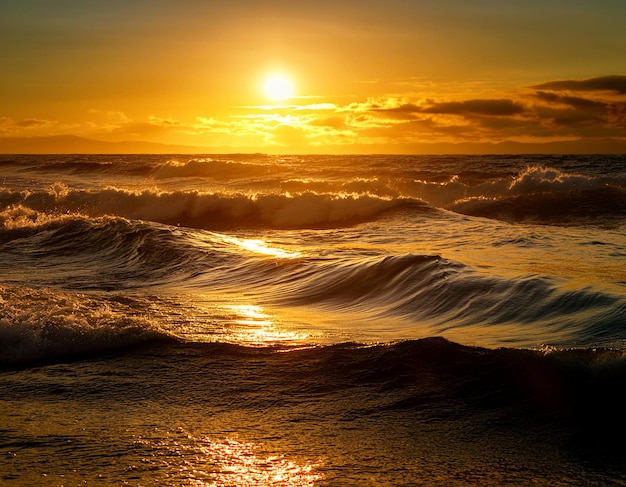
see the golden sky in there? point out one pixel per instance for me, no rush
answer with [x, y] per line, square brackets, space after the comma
[366, 76]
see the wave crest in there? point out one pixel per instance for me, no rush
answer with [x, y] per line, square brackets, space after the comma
[204, 210]
[213, 168]
[546, 195]
[606, 206]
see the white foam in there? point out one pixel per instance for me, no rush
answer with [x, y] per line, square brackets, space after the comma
[38, 325]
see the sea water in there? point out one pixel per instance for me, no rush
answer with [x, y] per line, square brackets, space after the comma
[312, 320]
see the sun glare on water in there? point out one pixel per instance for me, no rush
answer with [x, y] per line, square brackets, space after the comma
[278, 88]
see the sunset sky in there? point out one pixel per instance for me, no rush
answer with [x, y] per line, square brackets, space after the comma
[366, 76]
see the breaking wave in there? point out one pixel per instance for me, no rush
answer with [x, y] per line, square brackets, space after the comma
[208, 210]
[43, 325]
[547, 195]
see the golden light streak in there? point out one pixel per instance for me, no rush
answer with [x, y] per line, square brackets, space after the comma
[259, 246]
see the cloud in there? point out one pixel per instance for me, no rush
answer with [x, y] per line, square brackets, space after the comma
[405, 108]
[496, 108]
[614, 83]
[515, 115]
[573, 101]
[317, 106]
[31, 122]
[337, 123]
[286, 135]
[112, 116]
[407, 111]
[27, 126]
[140, 129]
[570, 117]
[569, 111]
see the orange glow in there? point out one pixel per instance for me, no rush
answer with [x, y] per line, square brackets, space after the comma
[396, 76]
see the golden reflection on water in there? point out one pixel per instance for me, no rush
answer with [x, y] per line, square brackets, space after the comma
[237, 463]
[255, 326]
[204, 461]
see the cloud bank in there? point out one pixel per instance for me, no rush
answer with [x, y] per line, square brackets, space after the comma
[615, 83]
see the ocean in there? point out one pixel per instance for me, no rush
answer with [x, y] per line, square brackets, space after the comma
[329, 320]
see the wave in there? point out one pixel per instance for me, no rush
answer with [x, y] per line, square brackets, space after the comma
[575, 393]
[606, 206]
[442, 296]
[210, 210]
[219, 169]
[149, 166]
[104, 253]
[547, 195]
[323, 192]
[42, 325]
[538, 193]
[428, 293]
[60, 326]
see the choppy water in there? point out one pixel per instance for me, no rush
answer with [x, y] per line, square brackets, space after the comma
[317, 320]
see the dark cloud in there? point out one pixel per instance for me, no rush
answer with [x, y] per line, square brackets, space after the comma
[406, 108]
[568, 111]
[501, 124]
[573, 101]
[402, 112]
[571, 117]
[614, 83]
[476, 107]
[617, 113]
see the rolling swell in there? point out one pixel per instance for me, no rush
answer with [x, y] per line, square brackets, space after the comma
[536, 192]
[448, 297]
[434, 371]
[570, 398]
[215, 169]
[571, 392]
[427, 292]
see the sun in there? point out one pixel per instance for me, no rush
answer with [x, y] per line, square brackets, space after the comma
[278, 88]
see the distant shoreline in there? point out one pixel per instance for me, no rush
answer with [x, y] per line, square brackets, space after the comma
[72, 144]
